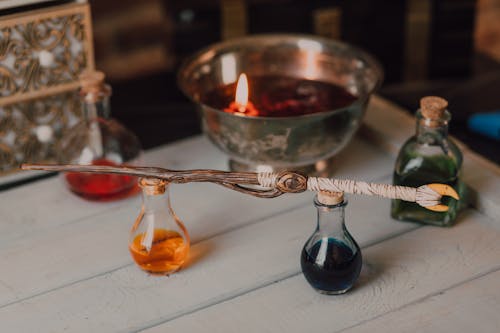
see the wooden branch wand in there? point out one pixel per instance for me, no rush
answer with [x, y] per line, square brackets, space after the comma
[274, 184]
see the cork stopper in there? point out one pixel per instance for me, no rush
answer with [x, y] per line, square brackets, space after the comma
[433, 107]
[153, 186]
[92, 86]
[330, 198]
[92, 80]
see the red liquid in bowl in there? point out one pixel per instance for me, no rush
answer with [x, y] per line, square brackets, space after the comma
[280, 96]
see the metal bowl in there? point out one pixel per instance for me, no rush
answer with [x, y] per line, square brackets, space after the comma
[269, 143]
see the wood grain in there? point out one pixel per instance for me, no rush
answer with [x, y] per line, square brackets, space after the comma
[52, 248]
[36, 211]
[398, 271]
[67, 266]
[47, 204]
[468, 307]
[223, 266]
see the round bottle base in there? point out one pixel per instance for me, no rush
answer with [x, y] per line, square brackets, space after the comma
[161, 273]
[332, 292]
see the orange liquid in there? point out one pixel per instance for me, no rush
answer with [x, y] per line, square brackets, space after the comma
[166, 255]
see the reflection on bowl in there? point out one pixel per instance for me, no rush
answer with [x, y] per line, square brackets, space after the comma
[289, 142]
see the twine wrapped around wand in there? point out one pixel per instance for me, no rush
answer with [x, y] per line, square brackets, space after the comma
[275, 184]
[428, 196]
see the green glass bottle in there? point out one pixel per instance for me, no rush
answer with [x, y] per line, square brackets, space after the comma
[428, 157]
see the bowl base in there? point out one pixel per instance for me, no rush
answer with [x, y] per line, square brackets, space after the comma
[322, 168]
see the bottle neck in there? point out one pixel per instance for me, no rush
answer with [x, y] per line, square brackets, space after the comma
[331, 219]
[95, 101]
[96, 108]
[155, 196]
[155, 202]
[432, 131]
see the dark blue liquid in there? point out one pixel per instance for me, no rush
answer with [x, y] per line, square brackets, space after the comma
[334, 269]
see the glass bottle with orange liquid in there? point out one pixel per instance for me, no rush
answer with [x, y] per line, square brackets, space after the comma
[99, 140]
[159, 242]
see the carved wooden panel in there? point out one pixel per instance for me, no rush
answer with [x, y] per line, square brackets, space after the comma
[34, 130]
[42, 53]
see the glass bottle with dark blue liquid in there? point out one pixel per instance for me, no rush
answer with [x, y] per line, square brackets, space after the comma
[331, 259]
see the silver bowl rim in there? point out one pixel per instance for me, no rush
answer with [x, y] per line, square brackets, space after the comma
[280, 37]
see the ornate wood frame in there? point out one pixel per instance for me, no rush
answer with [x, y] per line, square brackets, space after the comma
[43, 51]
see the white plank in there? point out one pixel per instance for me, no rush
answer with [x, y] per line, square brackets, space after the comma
[206, 209]
[389, 124]
[483, 185]
[16, 219]
[51, 248]
[58, 256]
[399, 271]
[469, 307]
[46, 204]
[192, 153]
[222, 267]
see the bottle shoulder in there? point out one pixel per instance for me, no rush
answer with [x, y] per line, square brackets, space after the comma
[443, 146]
[442, 160]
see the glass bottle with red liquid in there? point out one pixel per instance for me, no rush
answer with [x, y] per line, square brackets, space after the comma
[99, 140]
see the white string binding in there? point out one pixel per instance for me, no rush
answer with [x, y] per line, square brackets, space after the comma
[426, 196]
[423, 195]
[358, 187]
[267, 179]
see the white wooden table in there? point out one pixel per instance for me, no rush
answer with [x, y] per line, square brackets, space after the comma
[65, 265]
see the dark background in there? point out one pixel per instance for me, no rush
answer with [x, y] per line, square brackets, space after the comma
[141, 44]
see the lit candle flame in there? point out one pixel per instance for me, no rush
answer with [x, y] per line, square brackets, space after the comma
[241, 98]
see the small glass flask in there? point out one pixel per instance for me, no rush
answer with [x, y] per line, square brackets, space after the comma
[159, 242]
[99, 140]
[428, 157]
[331, 259]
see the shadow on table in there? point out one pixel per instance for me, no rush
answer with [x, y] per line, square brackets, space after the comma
[198, 252]
[369, 273]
